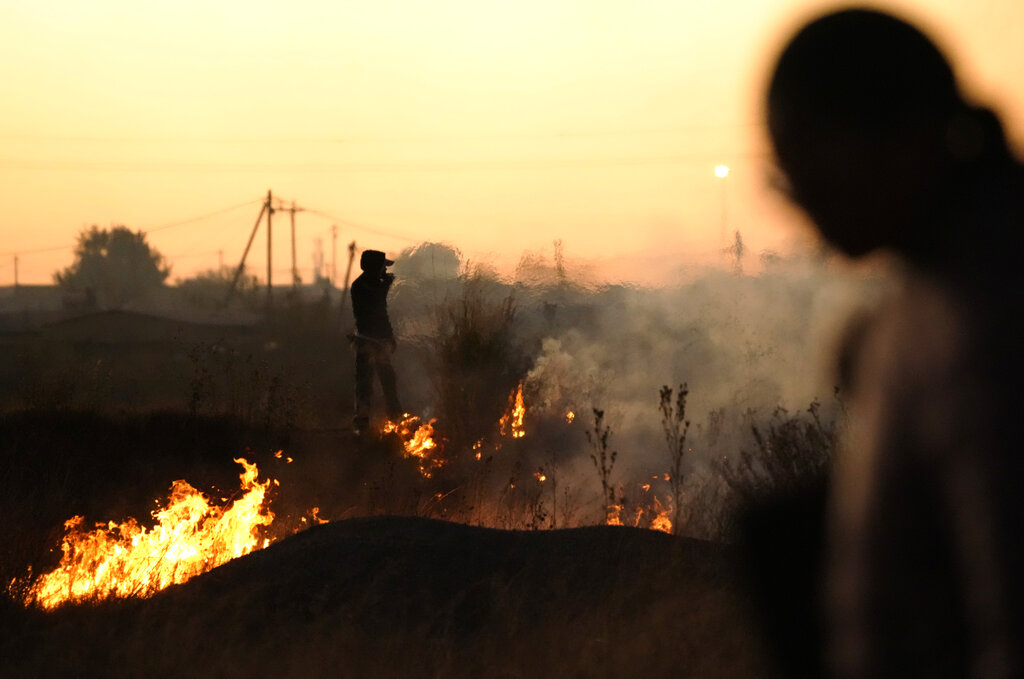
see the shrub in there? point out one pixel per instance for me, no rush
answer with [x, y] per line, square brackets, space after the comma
[793, 453]
[476, 360]
[603, 462]
[676, 426]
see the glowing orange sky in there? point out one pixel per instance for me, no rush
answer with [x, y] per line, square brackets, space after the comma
[497, 126]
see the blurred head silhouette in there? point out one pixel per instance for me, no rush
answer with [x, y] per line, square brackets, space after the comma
[871, 131]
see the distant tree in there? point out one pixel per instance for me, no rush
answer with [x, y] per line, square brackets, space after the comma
[118, 265]
[209, 289]
[535, 268]
[429, 261]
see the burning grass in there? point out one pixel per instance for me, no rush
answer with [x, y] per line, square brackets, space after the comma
[192, 533]
[470, 592]
[511, 423]
[191, 536]
[407, 597]
[504, 393]
[417, 438]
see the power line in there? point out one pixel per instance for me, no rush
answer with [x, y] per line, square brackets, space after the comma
[425, 166]
[200, 217]
[395, 139]
[362, 227]
[34, 251]
[190, 220]
[193, 255]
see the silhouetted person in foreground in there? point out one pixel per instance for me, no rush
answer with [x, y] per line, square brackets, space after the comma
[374, 339]
[925, 574]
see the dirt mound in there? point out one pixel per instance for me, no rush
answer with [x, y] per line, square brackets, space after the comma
[408, 597]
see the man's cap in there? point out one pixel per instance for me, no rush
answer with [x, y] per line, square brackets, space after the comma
[373, 259]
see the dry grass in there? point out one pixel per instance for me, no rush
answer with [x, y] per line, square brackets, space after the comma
[383, 596]
[391, 597]
[86, 434]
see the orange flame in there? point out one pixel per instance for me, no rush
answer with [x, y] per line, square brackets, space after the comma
[417, 441]
[312, 518]
[662, 521]
[191, 536]
[614, 515]
[511, 422]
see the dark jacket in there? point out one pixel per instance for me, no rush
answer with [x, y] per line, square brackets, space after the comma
[370, 306]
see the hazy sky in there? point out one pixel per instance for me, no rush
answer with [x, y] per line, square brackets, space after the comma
[497, 126]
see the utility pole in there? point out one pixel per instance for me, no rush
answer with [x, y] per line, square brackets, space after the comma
[334, 253]
[241, 265]
[318, 262]
[295, 268]
[270, 249]
[348, 273]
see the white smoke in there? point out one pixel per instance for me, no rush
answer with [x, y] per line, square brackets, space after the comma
[745, 345]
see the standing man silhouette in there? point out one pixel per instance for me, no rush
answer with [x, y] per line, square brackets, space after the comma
[925, 574]
[374, 339]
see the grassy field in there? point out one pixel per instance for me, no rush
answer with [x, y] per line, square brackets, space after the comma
[405, 597]
[375, 592]
[496, 563]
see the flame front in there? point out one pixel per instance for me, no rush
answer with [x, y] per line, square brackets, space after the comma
[191, 536]
[613, 515]
[417, 441]
[661, 520]
[511, 422]
[660, 516]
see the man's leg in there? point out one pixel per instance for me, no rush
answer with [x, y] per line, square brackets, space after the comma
[364, 389]
[388, 383]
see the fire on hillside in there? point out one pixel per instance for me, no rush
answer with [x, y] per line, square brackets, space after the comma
[511, 423]
[417, 441]
[193, 534]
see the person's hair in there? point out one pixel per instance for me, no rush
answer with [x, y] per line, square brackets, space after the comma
[860, 70]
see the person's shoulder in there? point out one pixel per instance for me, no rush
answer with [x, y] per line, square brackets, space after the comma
[912, 336]
[927, 321]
